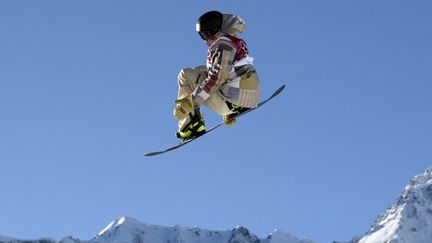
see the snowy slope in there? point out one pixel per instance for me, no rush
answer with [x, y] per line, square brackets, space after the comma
[12, 240]
[129, 230]
[409, 218]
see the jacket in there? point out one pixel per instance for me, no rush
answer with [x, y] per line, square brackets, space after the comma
[231, 72]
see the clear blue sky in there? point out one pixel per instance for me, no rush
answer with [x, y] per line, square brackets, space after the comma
[87, 87]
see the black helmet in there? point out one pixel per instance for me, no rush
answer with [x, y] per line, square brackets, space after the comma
[209, 24]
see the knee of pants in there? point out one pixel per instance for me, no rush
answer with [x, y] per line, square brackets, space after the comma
[185, 74]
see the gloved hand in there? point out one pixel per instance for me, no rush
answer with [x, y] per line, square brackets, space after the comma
[229, 121]
[184, 107]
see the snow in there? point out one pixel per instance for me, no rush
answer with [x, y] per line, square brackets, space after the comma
[279, 236]
[129, 230]
[117, 223]
[6, 239]
[407, 220]
[12, 240]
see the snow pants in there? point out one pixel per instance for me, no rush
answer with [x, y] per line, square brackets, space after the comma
[190, 78]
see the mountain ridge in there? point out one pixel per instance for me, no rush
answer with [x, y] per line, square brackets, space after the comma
[407, 220]
[130, 230]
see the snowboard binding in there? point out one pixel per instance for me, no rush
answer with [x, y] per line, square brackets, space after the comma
[236, 110]
[194, 128]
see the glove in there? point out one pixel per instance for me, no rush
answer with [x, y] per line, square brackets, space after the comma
[229, 121]
[184, 107]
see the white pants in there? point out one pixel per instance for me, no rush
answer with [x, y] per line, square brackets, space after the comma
[247, 91]
[190, 78]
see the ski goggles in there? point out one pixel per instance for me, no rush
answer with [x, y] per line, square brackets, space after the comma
[207, 34]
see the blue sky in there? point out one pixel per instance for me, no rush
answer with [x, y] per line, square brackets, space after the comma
[87, 87]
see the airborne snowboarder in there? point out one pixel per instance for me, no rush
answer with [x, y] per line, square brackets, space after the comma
[228, 84]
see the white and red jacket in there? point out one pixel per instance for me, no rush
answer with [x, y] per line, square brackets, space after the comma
[231, 72]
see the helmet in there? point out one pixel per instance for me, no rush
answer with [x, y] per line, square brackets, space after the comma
[209, 24]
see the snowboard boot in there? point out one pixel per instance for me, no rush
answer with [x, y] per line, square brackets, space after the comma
[236, 110]
[194, 128]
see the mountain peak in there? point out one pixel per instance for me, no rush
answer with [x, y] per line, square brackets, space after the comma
[125, 229]
[421, 179]
[240, 234]
[124, 222]
[280, 236]
[409, 218]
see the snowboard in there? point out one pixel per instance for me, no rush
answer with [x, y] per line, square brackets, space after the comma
[183, 143]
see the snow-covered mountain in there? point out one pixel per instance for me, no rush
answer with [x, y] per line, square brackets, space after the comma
[409, 218]
[129, 230]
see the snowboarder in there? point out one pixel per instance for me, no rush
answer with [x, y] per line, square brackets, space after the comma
[228, 84]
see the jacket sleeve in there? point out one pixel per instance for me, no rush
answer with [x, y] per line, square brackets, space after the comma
[222, 60]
